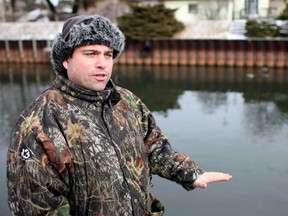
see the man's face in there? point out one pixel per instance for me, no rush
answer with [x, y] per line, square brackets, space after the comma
[90, 66]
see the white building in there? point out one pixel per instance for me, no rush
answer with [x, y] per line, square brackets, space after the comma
[219, 9]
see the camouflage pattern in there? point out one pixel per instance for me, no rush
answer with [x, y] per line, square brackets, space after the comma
[77, 152]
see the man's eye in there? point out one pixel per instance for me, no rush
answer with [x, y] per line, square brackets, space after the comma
[110, 55]
[89, 54]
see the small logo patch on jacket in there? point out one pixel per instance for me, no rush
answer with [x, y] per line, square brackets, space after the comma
[25, 154]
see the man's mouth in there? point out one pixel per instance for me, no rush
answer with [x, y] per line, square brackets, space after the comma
[99, 77]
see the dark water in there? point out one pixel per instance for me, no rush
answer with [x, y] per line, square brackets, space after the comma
[227, 119]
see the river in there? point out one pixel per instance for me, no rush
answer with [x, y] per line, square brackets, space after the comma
[227, 119]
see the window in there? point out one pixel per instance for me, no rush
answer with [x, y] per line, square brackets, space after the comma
[251, 7]
[193, 8]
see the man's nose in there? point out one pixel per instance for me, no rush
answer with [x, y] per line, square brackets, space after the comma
[101, 61]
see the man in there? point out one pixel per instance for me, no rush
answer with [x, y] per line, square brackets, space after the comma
[86, 146]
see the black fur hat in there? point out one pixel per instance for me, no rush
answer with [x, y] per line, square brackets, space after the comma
[85, 30]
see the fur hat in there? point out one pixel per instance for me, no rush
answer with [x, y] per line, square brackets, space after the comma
[85, 30]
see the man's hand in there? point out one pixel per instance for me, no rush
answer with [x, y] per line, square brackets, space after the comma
[209, 177]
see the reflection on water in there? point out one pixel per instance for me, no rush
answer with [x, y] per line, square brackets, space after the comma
[236, 118]
[165, 84]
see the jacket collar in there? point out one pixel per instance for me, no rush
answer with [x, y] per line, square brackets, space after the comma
[76, 91]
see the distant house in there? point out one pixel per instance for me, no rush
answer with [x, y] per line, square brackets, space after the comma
[201, 10]
[259, 8]
[224, 9]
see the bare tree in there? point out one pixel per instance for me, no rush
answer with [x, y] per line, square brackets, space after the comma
[83, 5]
[2, 11]
[13, 5]
[51, 7]
[214, 10]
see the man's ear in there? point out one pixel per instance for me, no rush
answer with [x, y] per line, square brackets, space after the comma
[65, 64]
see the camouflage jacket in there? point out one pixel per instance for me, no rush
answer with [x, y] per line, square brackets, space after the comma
[78, 152]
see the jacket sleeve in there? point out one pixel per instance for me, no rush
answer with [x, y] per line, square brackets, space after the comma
[164, 161]
[35, 184]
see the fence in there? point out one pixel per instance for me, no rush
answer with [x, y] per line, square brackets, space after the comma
[236, 53]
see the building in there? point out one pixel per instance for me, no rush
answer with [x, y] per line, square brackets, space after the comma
[225, 9]
[276, 7]
[201, 10]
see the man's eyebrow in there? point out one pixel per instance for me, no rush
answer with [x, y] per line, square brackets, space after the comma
[108, 51]
[90, 50]
[98, 51]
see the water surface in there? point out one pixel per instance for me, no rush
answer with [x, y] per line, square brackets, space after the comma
[227, 119]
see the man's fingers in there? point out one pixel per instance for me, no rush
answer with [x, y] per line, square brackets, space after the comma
[217, 176]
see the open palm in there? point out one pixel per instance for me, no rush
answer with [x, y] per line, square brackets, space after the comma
[210, 177]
